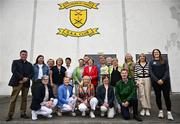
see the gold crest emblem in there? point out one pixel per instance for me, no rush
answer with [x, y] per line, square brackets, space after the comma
[78, 17]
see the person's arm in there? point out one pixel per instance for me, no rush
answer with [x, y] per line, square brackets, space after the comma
[153, 77]
[14, 70]
[112, 96]
[166, 74]
[60, 96]
[75, 78]
[117, 90]
[133, 90]
[31, 72]
[95, 73]
[98, 95]
[51, 78]
[135, 73]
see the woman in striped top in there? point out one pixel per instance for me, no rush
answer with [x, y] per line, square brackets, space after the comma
[143, 83]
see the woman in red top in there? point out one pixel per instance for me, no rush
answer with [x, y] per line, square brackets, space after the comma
[91, 71]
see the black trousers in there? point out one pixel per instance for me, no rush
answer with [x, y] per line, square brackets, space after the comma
[125, 110]
[165, 89]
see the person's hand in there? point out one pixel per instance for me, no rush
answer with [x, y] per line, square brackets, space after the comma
[25, 79]
[138, 83]
[85, 102]
[52, 84]
[21, 82]
[49, 104]
[106, 105]
[160, 82]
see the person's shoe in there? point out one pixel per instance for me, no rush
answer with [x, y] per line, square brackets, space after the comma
[84, 113]
[24, 116]
[137, 118]
[142, 113]
[92, 114]
[169, 116]
[73, 114]
[102, 114]
[9, 118]
[147, 112]
[49, 116]
[59, 113]
[161, 114]
[34, 115]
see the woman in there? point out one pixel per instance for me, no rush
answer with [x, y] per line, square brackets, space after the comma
[129, 65]
[86, 93]
[143, 83]
[105, 96]
[40, 69]
[43, 100]
[57, 75]
[91, 71]
[77, 75]
[159, 73]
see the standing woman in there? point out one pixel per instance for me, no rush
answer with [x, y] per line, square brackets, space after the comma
[159, 73]
[57, 75]
[143, 83]
[40, 69]
[91, 71]
[129, 65]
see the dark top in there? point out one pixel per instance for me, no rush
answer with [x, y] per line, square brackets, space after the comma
[21, 69]
[115, 76]
[58, 75]
[101, 92]
[159, 71]
[38, 94]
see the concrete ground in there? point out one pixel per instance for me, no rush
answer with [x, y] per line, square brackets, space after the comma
[67, 119]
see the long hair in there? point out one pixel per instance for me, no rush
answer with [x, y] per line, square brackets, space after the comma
[38, 58]
[142, 54]
[160, 56]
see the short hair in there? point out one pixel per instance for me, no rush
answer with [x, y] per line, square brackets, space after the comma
[105, 76]
[23, 51]
[124, 70]
[81, 59]
[68, 58]
[44, 76]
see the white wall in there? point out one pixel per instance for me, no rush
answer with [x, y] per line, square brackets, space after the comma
[149, 24]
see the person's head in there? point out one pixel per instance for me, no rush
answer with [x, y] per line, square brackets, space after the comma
[90, 62]
[40, 59]
[102, 59]
[142, 58]
[124, 74]
[128, 58]
[66, 81]
[109, 60]
[86, 80]
[86, 59]
[81, 62]
[115, 62]
[23, 55]
[50, 63]
[45, 79]
[156, 53]
[105, 79]
[59, 61]
[68, 61]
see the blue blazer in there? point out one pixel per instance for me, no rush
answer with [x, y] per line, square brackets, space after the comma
[62, 94]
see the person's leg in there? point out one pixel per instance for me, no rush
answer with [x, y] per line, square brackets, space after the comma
[66, 108]
[44, 111]
[157, 91]
[55, 101]
[24, 94]
[111, 112]
[147, 92]
[72, 102]
[103, 110]
[82, 108]
[93, 103]
[125, 112]
[166, 94]
[55, 88]
[14, 95]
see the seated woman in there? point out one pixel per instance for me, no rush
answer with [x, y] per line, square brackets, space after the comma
[105, 96]
[86, 93]
[42, 99]
[66, 100]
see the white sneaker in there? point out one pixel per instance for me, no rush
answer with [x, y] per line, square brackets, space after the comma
[147, 112]
[49, 116]
[92, 114]
[169, 116]
[34, 115]
[142, 113]
[59, 114]
[73, 114]
[102, 114]
[161, 114]
[84, 113]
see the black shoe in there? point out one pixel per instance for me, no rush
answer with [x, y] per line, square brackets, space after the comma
[9, 118]
[24, 116]
[137, 118]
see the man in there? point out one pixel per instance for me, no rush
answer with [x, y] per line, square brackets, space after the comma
[20, 81]
[66, 100]
[126, 96]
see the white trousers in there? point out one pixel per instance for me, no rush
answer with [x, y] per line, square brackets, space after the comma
[93, 103]
[110, 111]
[70, 106]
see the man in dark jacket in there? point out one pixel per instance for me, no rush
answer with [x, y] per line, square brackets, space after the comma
[20, 81]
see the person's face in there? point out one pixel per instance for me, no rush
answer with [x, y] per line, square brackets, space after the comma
[40, 60]
[68, 62]
[109, 60]
[50, 63]
[86, 58]
[23, 56]
[142, 58]
[115, 62]
[128, 58]
[45, 81]
[124, 74]
[106, 81]
[85, 80]
[66, 81]
[102, 60]
[81, 63]
[59, 62]
[90, 62]
[156, 54]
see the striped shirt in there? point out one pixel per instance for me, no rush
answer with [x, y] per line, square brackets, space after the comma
[141, 71]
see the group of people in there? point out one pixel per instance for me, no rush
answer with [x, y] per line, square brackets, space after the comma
[107, 86]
